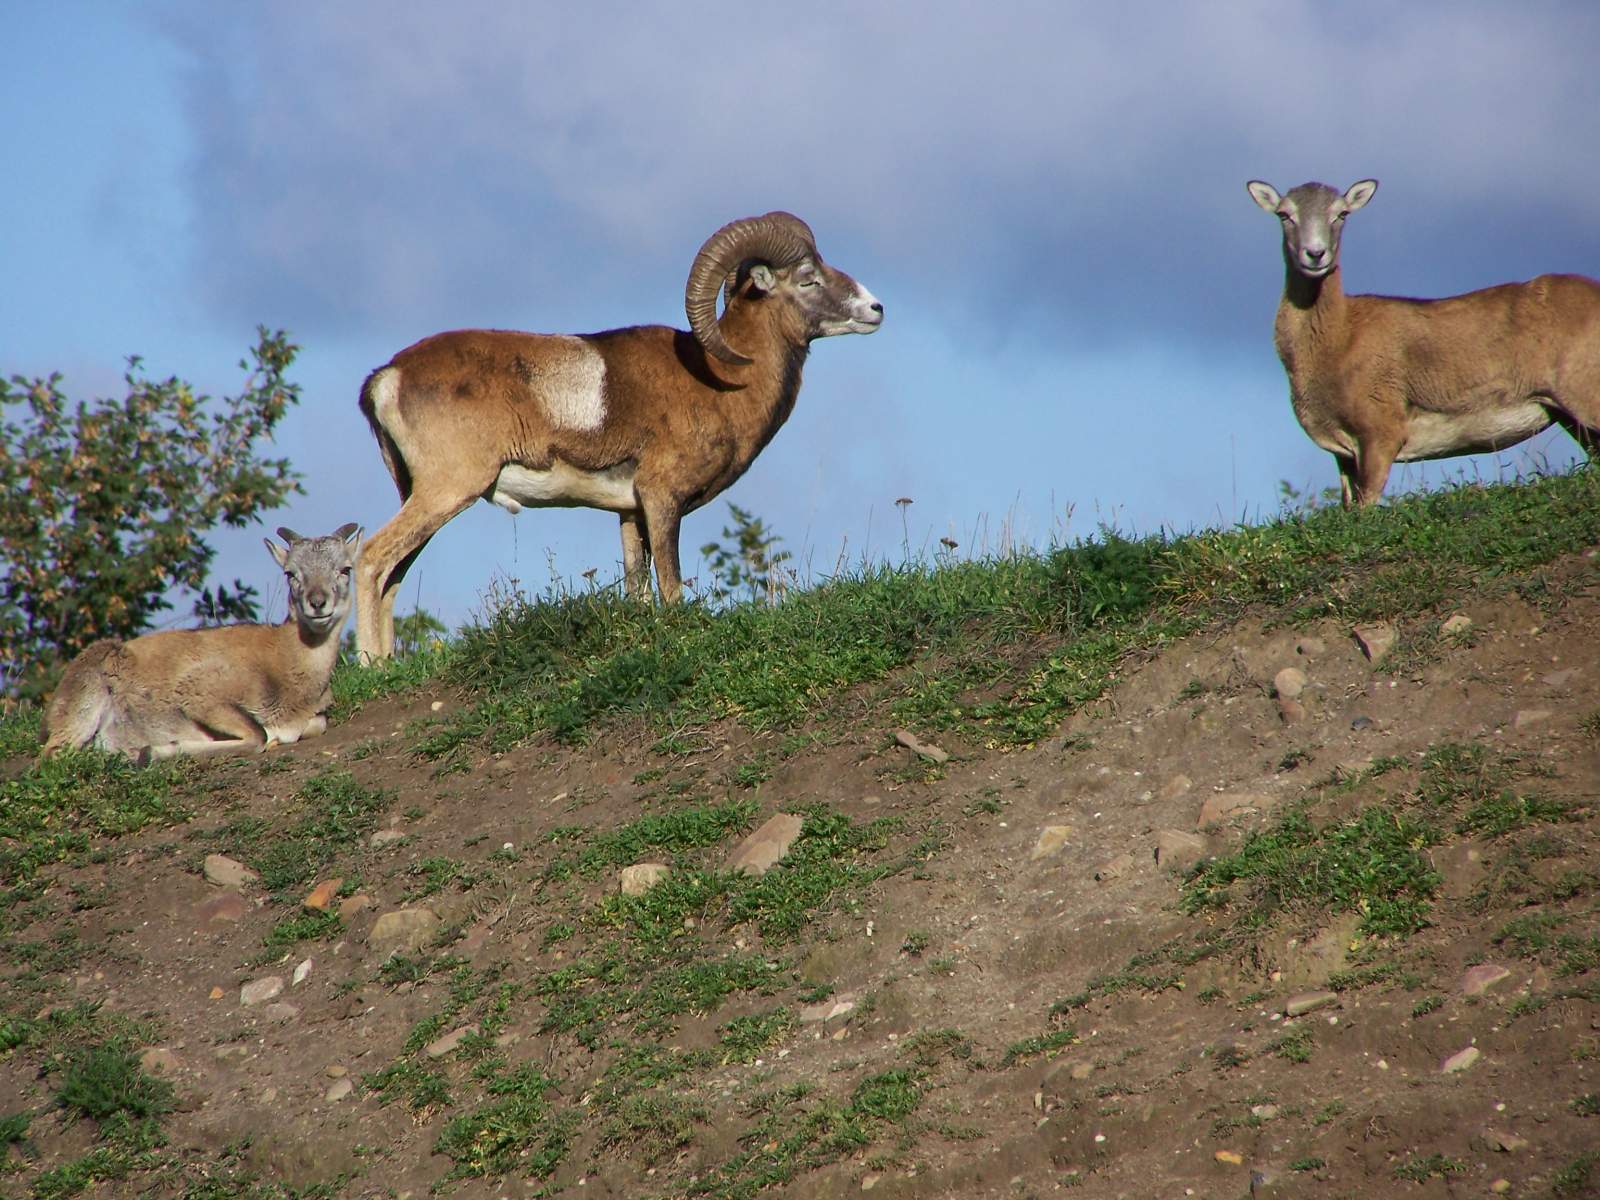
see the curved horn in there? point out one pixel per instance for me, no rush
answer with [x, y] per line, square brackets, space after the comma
[779, 238]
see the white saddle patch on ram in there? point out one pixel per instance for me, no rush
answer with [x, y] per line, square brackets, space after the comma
[1438, 435]
[569, 381]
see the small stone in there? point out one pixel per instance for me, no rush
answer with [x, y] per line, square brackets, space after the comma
[322, 895]
[920, 748]
[351, 905]
[338, 1090]
[1114, 869]
[1504, 1143]
[336, 1071]
[158, 1060]
[1456, 625]
[506, 1040]
[1290, 682]
[763, 848]
[217, 993]
[1051, 839]
[1306, 1002]
[1460, 1060]
[1265, 1111]
[870, 1181]
[641, 877]
[827, 1010]
[1178, 848]
[1081, 1070]
[1311, 647]
[1479, 979]
[1361, 723]
[224, 906]
[227, 872]
[1221, 805]
[1375, 640]
[1500, 1187]
[1560, 679]
[280, 1012]
[1231, 1157]
[448, 1043]
[387, 837]
[302, 971]
[259, 991]
[1528, 717]
[436, 706]
[1291, 712]
[1175, 787]
[402, 931]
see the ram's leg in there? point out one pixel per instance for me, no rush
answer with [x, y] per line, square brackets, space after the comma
[635, 556]
[662, 517]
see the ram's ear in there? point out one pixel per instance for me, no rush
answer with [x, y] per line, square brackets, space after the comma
[761, 277]
[1360, 193]
[280, 554]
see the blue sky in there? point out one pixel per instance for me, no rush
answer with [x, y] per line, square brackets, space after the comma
[1048, 198]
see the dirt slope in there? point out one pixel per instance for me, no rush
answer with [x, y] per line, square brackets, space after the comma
[1163, 1074]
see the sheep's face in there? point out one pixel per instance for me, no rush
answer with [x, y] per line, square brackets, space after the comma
[1313, 216]
[825, 301]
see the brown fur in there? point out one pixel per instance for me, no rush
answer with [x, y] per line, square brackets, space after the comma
[231, 689]
[472, 402]
[1380, 379]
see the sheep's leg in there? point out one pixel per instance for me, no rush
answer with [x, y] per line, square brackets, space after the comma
[225, 730]
[386, 557]
[635, 556]
[661, 519]
[1374, 457]
[1347, 479]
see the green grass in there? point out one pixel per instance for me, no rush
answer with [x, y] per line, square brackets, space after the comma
[515, 1130]
[1044, 1043]
[1000, 649]
[1420, 1168]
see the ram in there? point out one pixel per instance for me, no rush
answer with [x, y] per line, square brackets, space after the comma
[232, 689]
[1380, 379]
[647, 422]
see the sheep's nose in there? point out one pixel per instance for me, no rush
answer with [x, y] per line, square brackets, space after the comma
[1315, 255]
[877, 307]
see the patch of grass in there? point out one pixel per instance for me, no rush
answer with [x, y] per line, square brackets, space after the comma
[1541, 935]
[105, 1082]
[14, 1127]
[1427, 1005]
[1311, 1163]
[355, 685]
[336, 814]
[1418, 1168]
[517, 1130]
[1577, 1178]
[1371, 864]
[1044, 1043]
[19, 732]
[744, 1038]
[1587, 1105]
[1294, 1046]
[303, 926]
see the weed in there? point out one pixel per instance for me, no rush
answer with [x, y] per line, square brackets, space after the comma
[744, 1038]
[1294, 1046]
[105, 1082]
[303, 926]
[1587, 1105]
[1576, 1178]
[1418, 1169]
[1427, 1005]
[1311, 1163]
[517, 1130]
[1045, 1043]
[915, 943]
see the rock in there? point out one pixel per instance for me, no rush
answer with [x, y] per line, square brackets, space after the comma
[1560, 679]
[1504, 1143]
[226, 872]
[1460, 1060]
[1375, 640]
[217, 993]
[1081, 1070]
[1311, 647]
[1051, 839]
[448, 1043]
[259, 991]
[386, 837]
[1305, 1002]
[1178, 848]
[402, 931]
[336, 1071]
[641, 877]
[351, 905]
[1117, 867]
[827, 1010]
[1232, 1157]
[1361, 723]
[1265, 1111]
[1456, 625]
[1175, 787]
[870, 1181]
[281, 1012]
[338, 1090]
[224, 906]
[1528, 717]
[1220, 805]
[758, 852]
[1291, 712]
[322, 895]
[1500, 1187]
[158, 1060]
[920, 748]
[1290, 682]
[301, 972]
[1479, 979]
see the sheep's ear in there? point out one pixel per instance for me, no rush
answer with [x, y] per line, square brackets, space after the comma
[289, 535]
[761, 277]
[348, 532]
[280, 554]
[1264, 194]
[1360, 193]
